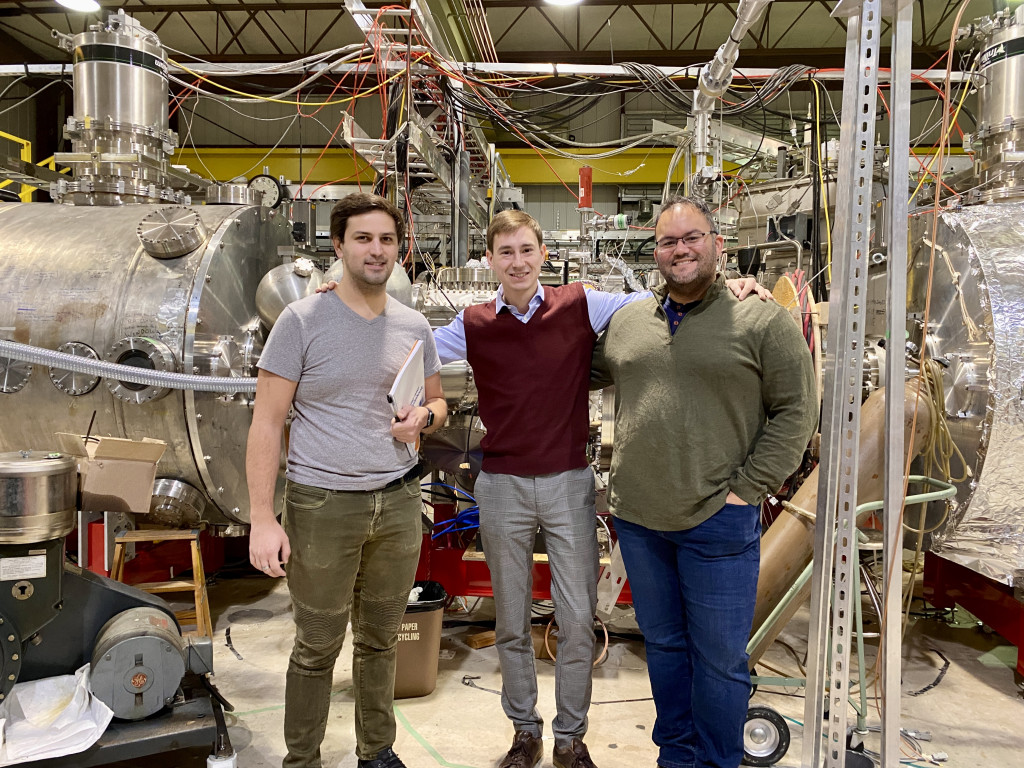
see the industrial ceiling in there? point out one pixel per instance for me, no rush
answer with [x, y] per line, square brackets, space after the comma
[594, 32]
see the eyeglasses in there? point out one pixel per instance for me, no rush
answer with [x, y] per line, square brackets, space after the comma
[668, 244]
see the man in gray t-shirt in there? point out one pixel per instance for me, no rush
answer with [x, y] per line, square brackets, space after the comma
[350, 533]
[344, 364]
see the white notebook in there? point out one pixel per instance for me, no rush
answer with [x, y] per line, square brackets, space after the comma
[408, 388]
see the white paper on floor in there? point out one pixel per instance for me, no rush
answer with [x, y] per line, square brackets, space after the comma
[51, 717]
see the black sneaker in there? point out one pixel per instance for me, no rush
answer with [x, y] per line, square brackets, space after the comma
[386, 758]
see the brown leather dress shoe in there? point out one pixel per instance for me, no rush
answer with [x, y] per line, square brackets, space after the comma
[575, 756]
[526, 751]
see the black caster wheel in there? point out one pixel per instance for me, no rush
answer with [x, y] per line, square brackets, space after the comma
[765, 737]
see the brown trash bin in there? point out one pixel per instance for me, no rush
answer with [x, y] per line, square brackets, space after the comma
[419, 642]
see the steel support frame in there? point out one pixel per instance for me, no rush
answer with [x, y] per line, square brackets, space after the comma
[835, 532]
[895, 375]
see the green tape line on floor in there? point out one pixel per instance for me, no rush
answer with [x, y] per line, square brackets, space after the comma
[424, 743]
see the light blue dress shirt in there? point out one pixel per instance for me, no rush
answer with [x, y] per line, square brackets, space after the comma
[451, 339]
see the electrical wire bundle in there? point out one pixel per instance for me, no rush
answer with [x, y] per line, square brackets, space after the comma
[467, 519]
[484, 102]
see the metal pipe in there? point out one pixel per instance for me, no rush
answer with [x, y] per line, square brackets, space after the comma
[497, 68]
[779, 615]
[125, 373]
[896, 313]
[716, 75]
[479, 29]
[786, 243]
[462, 243]
[787, 546]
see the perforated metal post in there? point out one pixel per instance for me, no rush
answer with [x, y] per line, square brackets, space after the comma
[837, 496]
[896, 313]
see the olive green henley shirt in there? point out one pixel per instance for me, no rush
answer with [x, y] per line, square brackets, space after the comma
[727, 403]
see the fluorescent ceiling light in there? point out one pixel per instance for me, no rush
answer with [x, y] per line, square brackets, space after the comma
[85, 6]
[562, 2]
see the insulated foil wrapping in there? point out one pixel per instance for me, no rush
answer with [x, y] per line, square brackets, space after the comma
[986, 534]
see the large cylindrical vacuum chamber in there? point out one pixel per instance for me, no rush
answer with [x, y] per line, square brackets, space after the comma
[976, 329]
[110, 283]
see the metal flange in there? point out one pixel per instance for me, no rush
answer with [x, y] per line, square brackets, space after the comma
[170, 232]
[231, 194]
[71, 382]
[141, 352]
[14, 375]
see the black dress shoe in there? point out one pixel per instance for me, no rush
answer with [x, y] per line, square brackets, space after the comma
[526, 751]
[574, 756]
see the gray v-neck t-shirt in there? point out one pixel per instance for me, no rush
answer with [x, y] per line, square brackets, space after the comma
[344, 364]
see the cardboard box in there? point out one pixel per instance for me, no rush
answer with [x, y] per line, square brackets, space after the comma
[115, 475]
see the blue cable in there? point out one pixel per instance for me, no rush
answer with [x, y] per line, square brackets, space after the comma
[454, 530]
[465, 520]
[449, 487]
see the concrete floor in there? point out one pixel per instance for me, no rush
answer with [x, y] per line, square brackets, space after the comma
[974, 713]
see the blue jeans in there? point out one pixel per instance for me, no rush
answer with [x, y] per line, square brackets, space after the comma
[694, 594]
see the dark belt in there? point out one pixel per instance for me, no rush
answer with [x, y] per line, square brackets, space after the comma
[413, 474]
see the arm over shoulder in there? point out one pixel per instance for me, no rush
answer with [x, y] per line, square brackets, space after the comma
[601, 306]
[451, 340]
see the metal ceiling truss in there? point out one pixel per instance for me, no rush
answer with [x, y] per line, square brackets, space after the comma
[660, 31]
[679, 31]
[214, 31]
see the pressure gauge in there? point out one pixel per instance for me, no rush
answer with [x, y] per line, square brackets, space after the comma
[268, 188]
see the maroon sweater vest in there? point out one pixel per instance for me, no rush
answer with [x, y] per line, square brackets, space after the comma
[532, 380]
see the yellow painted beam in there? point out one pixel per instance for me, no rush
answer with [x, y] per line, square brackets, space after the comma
[225, 163]
[641, 165]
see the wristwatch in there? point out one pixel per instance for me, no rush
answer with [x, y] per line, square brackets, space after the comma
[430, 417]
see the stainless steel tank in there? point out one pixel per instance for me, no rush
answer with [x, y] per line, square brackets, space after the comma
[107, 283]
[119, 132]
[284, 284]
[976, 329]
[37, 496]
[999, 140]
[112, 62]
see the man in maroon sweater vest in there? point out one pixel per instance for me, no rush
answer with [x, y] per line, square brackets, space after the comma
[530, 350]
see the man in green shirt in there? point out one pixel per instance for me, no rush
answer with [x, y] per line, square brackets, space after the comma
[715, 404]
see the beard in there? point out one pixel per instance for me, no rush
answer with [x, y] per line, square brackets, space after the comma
[697, 276]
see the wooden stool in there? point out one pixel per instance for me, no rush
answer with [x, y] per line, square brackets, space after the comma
[200, 614]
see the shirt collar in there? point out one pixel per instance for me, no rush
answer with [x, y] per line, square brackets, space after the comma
[661, 291]
[500, 303]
